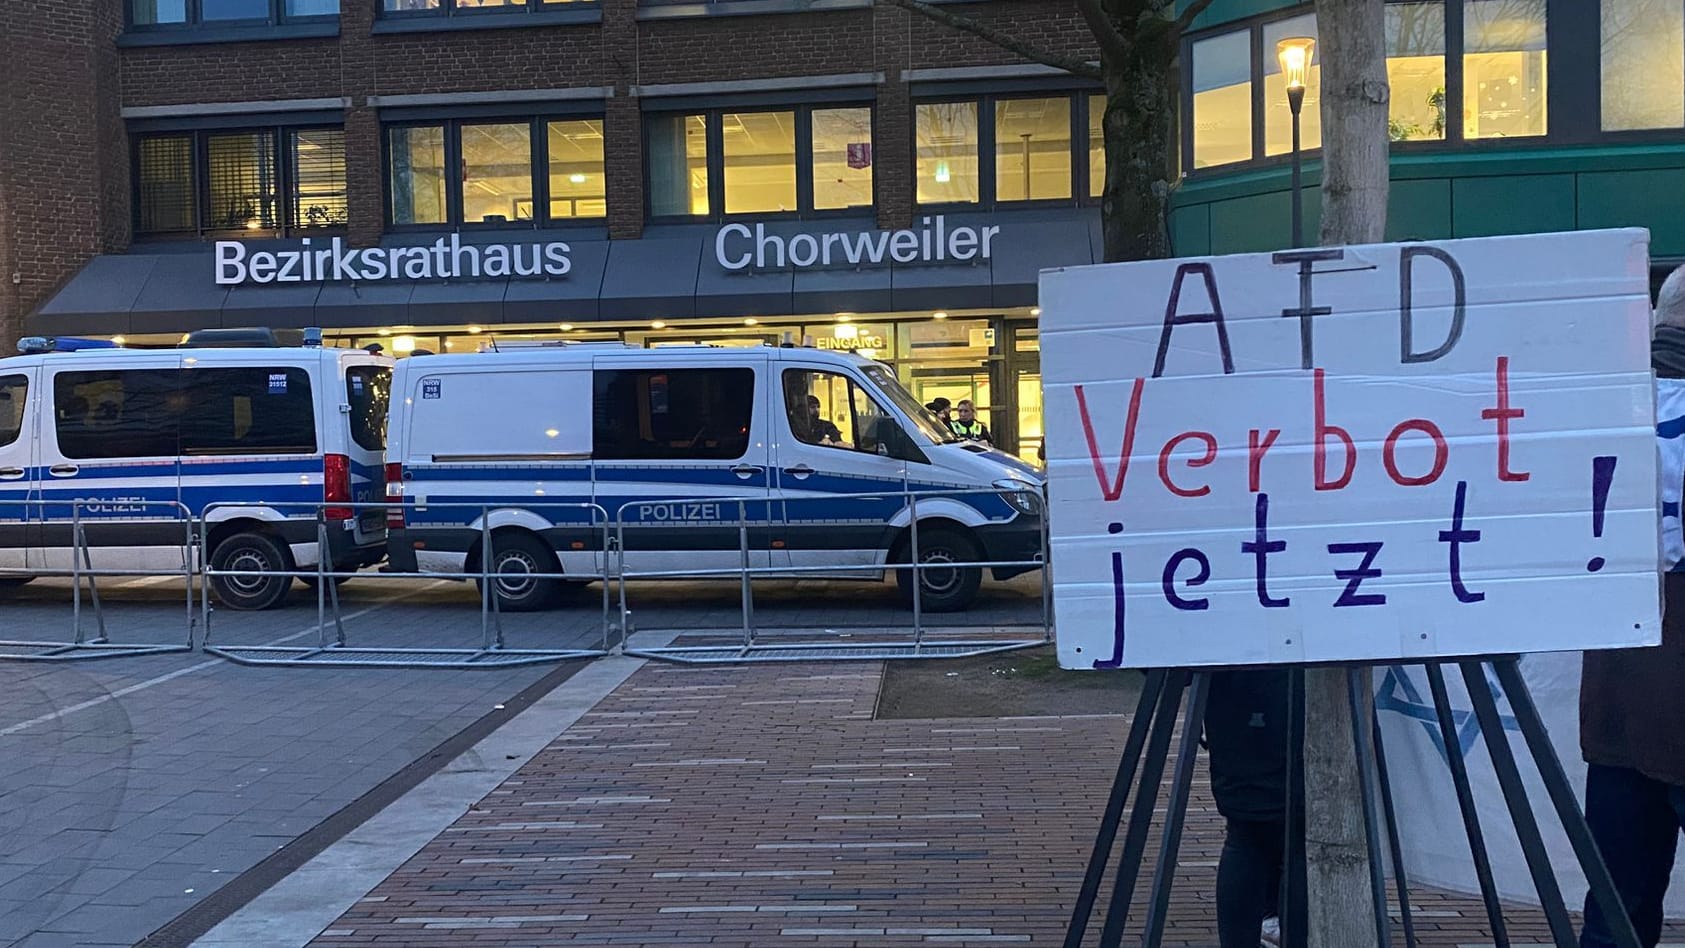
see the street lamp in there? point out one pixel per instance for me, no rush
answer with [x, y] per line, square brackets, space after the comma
[1294, 54]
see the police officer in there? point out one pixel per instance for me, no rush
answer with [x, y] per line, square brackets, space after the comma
[967, 425]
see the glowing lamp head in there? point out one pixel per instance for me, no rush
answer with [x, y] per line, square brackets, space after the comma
[1295, 54]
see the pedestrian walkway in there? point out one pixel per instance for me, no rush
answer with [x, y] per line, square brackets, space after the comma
[764, 806]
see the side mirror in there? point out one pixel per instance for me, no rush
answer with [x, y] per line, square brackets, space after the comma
[895, 443]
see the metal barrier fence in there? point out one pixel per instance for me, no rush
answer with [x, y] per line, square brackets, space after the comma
[493, 650]
[881, 643]
[42, 521]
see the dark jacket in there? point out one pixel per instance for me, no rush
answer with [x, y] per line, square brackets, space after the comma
[1246, 740]
[1632, 701]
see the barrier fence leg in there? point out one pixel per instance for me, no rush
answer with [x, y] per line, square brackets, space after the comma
[1567, 806]
[187, 574]
[1176, 811]
[1465, 802]
[323, 556]
[1295, 901]
[618, 555]
[487, 582]
[1141, 814]
[321, 581]
[1359, 698]
[1391, 813]
[1107, 836]
[748, 581]
[75, 573]
[1520, 811]
[918, 577]
[204, 567]
[605, 575]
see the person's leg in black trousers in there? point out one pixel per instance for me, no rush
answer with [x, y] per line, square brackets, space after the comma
[1636, 825]
[1248, 880]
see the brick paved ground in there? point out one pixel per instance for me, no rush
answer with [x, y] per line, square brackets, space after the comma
[764, 806]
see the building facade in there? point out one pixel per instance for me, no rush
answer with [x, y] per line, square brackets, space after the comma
[444, 174]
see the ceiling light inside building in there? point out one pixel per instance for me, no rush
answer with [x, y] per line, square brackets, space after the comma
[942, 174]
[566, 327]
[938, 315]
[658, 324]
[576, 178]
[1035, 311]
[476, 330]
[404, 344]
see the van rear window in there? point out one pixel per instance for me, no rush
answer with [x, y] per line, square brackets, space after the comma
[368, 391]
[134, 413]
[257, 410]
[672, 414]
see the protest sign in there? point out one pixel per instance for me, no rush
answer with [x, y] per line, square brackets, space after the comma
[1392, 451]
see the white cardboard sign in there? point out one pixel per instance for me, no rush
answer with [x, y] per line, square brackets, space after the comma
[1391, 451]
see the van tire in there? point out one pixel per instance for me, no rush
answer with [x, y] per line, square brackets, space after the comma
[261, 554]
[520, 552]
[945, 590]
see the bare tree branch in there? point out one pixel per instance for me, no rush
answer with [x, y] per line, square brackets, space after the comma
[1103, 27]
[1190, 14]
[1071, 64]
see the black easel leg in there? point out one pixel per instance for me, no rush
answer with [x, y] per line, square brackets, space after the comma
[1360, 697]
[1176, 811]
[1295, 902]
[1401, 883]
[1520, 811]
[1465, 802]
[1103, 841]
[1141, 815]
[1567, 806]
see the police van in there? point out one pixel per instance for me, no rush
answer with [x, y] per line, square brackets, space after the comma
[241, 430]
[706, 458]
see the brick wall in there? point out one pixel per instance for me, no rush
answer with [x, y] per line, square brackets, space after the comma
[58, 207]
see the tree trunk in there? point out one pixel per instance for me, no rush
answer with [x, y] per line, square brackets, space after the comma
[1351, 41]
[1140, 105]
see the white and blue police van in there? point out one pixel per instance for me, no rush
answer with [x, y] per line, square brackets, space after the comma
[787, 458]
[256, 438]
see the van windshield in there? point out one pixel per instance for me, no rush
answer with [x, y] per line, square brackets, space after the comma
[368, 392]
[928, 424]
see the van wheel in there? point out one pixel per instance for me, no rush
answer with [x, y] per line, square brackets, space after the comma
[257, 558]
[944, 589]
[515, 558]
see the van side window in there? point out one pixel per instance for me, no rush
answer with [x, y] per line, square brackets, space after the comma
[14, 390]
[668, 414]
[368, 391]
[830, 410]
[132, 413]
[256, 410]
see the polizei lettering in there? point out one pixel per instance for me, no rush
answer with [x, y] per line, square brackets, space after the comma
[741, 247]
[678, 512]
[445, 258]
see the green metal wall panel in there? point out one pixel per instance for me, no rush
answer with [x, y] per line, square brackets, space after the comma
[1419, 210]
[1224, 11]
[1190, 231]
[1526, 204]
[1261, 222]
[1653, 199]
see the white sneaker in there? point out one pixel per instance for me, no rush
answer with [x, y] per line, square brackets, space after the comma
[1270, 935]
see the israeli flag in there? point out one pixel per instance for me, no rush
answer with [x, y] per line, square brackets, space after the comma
[1670, 447]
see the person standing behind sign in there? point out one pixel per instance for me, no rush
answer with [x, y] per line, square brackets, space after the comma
[1632, 705]
[1246, 747]
[967, 425]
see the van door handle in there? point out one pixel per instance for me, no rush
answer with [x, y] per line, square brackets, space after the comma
[11, 473]
[799, 472]
[747, 471]
[64, 470]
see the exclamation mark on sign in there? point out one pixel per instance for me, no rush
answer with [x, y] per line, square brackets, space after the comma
[1602, 473]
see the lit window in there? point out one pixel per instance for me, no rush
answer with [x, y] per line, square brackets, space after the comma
[1096, 145]
[1222, 92]
[166, 200]
[1416, 71]
[149, 14]
[319, 178]
[759, 151]
[677, 148]
[497, 173]
[417, 174]
[1278, 118]
[464, 7]
[243, 186]
[1643, 64]
[947, 145]
[576, 169]
[1503, 68]
[1032, 149]
[842, 158]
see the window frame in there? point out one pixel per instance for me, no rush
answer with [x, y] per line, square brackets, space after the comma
[1573, 89]
[195, 19]
[538, 133]
[714, 161]
[284, 148]
[603, 377]
[447, 10]
[988, 153]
